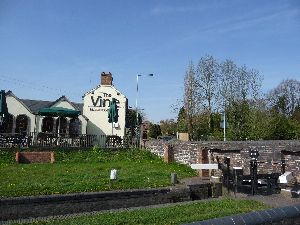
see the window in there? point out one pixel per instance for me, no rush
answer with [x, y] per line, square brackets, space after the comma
[21, 124]
[75, 127]
[7, 125]
[47, 125]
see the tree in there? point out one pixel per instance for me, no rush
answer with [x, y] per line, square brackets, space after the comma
[207, 84]
[154, 131]
[239, 120]
[130, 119]
[227, 83]
[239, 91]
[284, 101]
[216, 86]
[287, 93]
[181, 121]
[168, 127]
[190, 98]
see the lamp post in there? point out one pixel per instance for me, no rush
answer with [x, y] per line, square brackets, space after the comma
[136, 108]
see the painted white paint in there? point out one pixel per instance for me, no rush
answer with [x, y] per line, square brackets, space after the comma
[204, 166]
[96, 106]
[15, 108]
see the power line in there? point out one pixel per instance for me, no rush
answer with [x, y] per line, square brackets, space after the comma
[35, 86]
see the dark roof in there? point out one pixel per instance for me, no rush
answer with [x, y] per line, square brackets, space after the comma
[36, 105]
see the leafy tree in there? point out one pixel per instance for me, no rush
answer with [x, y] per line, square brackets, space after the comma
[259, 121]
[168, 127]
[181, 121]
[154, 131]
[190, 98]
[239, 120]
[130, 119]
[296, 114]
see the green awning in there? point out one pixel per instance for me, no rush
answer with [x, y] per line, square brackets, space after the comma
[58, 111]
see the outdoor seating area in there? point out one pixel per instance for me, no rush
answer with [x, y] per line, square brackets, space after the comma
[41, 139]
[113, 141]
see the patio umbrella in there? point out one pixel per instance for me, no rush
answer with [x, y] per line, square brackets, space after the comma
[113, 113]
[59, 112]
[3, 107]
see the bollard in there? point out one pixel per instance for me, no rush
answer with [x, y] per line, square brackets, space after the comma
[173, 178]
[113, 174]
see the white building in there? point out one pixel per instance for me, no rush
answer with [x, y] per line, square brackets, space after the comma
[24, 118]
[96, 105]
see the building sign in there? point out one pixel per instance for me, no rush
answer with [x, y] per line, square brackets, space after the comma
[101, 103]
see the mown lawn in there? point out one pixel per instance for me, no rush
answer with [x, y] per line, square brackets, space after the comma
[86, 171]
[177, 214]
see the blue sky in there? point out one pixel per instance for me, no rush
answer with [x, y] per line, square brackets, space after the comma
[50, 48]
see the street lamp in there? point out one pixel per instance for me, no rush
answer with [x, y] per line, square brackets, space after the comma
[136, 106]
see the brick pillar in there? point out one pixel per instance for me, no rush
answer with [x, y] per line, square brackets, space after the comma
[17, 157]
[52, 159]
[168, 154]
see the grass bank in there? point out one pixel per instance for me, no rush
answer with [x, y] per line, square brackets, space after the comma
[86, 171]
[176, 214]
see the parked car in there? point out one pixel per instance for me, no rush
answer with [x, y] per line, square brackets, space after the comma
[166, 138]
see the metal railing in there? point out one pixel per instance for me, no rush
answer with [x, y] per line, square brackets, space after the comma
[40, 139]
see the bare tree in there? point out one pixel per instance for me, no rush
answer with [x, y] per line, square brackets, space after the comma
[286, 95]
[207, 84]
[227, 81]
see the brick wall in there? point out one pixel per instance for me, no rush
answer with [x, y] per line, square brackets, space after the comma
[34, 157]
[269, 160]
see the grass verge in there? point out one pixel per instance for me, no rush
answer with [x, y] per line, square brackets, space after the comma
[86, 171]
[176, 214]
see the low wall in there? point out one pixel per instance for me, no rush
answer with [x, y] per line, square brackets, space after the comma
[272, 153]
[54, 205]
[35, 157]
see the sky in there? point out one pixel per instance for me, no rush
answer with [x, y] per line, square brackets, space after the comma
[50, 48]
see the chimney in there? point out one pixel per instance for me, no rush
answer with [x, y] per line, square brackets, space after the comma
[106, 78]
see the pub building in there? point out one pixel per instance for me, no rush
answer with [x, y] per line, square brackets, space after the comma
[23, 117]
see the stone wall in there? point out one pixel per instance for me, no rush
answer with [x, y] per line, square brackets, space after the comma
[271, 153]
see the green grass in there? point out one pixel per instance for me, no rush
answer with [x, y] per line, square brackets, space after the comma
[86, 171]
[176, 214]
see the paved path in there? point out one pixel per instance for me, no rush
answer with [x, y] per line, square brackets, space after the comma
[276, 200]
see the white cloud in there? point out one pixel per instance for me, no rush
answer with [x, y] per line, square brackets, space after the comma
[159, 10]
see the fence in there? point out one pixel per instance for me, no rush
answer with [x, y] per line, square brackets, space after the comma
[33, 139]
